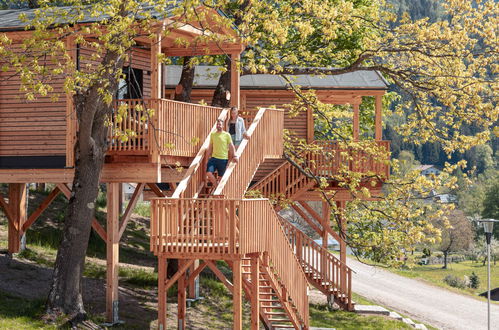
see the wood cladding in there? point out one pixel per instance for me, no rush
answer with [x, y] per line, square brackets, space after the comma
[32, 128]
[39, 127]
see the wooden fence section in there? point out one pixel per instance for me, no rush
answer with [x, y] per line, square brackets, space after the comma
[265, 141]
[129, 131]
[321, 267]
[261, 231]
[186, 125]
[333, 158]
[159, 125]
[194, 226]
[195, 174]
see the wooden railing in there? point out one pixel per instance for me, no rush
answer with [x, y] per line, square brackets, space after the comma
[265, 141]
[333, 158]
[129, 131]
[286, 180]
[197, 226]
[190, 184]
[261, 231]
[321, 267]
[171, 128]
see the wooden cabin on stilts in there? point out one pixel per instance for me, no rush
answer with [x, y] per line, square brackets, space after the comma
[272, 261]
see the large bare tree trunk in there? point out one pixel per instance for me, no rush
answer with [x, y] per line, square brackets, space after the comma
[66, 289]
[223, 87]
[184, 87]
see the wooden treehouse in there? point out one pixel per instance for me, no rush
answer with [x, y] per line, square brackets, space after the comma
[273, 262]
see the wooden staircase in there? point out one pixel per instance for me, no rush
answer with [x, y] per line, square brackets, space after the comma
[225, 226]
[322, 268]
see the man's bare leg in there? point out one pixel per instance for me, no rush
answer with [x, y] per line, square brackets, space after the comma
[211, 178]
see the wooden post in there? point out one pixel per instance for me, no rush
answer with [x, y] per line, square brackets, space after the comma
[162, 293]
[237, 296]
[70, 110]
[234, 80]
[255, 293]
[310, 125]
[378, 128]
[326, 211]
[194, 285]
[112, 247]
[156, 87]
[343, 245]
[356, 121]
[17, 206]
[181, 298]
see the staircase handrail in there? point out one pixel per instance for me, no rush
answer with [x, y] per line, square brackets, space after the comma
[261, 231]
[265, 140]
[325, 266]
[195, 173]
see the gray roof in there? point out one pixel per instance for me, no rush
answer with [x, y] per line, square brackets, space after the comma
[9, 19]
[207, 77]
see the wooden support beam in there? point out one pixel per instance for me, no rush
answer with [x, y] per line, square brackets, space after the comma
[181, 298]
[356, 121]
[319, 219]
[17, 205]
[112, 248]
[70, 109]
[220, 275]
[378, 113]
[162, 293]
[235, 80]
[306, 218]
[255, 293]
[194, 274]
[193, 282]
[343, 245]
[131, 206]
[176, 276]
[237, 295]
[6, 209]
[42, 207]
[310, 125]
[156, 87]
[154, 187]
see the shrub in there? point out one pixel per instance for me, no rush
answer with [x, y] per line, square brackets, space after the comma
[455, 281]
[474, 281]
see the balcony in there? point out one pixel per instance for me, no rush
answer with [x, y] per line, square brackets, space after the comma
[159, 127]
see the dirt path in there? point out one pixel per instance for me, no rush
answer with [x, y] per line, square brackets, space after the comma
[423, 302]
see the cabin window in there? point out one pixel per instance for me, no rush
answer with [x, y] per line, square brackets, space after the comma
[132, 86]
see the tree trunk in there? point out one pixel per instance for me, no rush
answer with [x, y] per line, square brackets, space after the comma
[445, 260]
[223, 88]
[65, 294]
[184, 87]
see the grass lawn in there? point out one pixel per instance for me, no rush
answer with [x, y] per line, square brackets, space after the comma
[320, 316]
[17, 313]
[435, 275]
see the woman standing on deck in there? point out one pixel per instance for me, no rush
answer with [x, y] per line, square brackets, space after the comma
[236, 128]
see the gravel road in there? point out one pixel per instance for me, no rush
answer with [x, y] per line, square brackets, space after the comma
[423, 302]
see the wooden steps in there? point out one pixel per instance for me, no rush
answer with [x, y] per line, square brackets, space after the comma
[275, 313]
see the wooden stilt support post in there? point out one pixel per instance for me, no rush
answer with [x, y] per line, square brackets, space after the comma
[194, 284]
[255, 293]
[343, 245]
[112, 246]
[17, 206]
[162, 293]
[237, 295]
[181, 298]
[234, 80]
[378, 128]
[356, 125]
